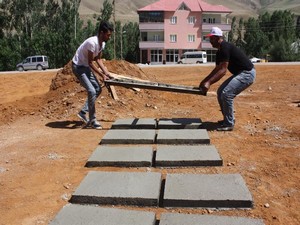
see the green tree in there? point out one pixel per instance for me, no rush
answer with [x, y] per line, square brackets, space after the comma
[232, 31]
[131, 51]
[269, 34]
[64, 33]
[9, 54]
[106, 11]
[282, 51]
[257, 42]
[106, 14]
[239, 40]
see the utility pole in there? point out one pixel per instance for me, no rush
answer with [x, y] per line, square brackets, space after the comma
[114, 4]
[122, 32]
[75, 22]
[121, 42]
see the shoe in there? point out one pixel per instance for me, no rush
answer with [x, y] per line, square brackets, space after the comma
[220, 122]
[96, 125]
[82, 117]
[225, 128]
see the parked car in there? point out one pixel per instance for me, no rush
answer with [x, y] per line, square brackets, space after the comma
[193, 57]
[255, 60]
[37, 62]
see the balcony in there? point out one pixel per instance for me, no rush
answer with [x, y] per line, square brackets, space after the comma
[151, 44]
[206, 45]
[151, 26]
[222, 26]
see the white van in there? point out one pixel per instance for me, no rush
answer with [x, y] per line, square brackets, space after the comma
[37, 62]
[193, 57]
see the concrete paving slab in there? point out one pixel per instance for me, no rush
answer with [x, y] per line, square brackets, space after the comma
[193, 219]
[187, 155]
[119, 188]
[121, 156]
[183, 136]
[136, 136]
[206, 190]
[134, 123]
[179, 123]
[93, 215]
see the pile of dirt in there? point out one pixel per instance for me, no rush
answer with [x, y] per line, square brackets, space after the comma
[66, 96]
[121, 67]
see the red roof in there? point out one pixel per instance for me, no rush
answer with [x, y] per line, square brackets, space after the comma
[193, 5]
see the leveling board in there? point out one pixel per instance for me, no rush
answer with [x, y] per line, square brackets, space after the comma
[155, 86]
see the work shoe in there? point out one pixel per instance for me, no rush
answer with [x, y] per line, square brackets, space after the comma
[220, 122]
[225, 128]
[81, 115]
[95, 124]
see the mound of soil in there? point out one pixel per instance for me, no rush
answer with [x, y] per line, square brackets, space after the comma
[121, 67]
[66, 96]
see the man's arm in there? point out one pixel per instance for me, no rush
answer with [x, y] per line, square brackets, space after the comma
[218, 72]
[100, 64]
[102, 67]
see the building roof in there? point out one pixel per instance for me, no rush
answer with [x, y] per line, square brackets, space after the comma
[193, 5]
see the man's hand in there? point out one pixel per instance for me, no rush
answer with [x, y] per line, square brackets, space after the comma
[107, 76]
[203, 87]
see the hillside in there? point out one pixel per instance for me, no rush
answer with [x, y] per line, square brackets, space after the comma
[126, 9]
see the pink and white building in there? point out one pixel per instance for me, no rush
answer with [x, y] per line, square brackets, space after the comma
[168, 28]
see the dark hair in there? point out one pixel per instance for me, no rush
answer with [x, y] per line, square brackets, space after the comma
[104, 27]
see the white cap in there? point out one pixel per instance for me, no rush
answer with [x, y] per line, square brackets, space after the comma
[215, 31]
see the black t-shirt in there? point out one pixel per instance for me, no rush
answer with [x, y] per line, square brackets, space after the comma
[237, 60]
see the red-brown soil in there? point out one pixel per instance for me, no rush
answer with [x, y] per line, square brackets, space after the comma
[43, 147]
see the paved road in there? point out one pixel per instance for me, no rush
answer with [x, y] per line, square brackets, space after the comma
[30, 71]
[212, 64]
[164, 65]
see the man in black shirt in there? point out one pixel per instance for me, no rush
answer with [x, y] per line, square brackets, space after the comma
[243, 72]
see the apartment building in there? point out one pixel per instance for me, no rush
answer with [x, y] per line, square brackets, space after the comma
[168, 28]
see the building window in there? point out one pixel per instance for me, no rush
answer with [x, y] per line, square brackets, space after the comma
[183, 7]
[172, 55]
[156, 55]
[211, 20]
[173, 38]
[151, 17]
[191, 38]
[173, 20]
[191, 20]
[205, 38]
[156, 37]
[211, 55]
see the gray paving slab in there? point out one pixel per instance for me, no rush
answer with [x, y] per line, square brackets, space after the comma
[187, 155]
[121, 156]
[194, 219]
[183, 136]
[74, 214]
[119, 188]
[134, 136]
[134, 123]
[206, 190]
[179, 123]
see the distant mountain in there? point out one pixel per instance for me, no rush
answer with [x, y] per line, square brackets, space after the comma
[126, 10]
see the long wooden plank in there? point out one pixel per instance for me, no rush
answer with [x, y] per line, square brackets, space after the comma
[155, 86]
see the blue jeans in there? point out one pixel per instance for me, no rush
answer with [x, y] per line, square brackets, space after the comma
[230, 89]
[88, 80]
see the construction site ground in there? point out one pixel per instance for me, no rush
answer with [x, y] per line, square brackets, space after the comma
[44, 146]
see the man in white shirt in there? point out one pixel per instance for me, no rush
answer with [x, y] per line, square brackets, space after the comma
[84, 68]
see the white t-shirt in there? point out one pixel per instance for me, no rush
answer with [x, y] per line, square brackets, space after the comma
[91, 44]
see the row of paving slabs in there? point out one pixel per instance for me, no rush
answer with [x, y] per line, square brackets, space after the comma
[156, 143]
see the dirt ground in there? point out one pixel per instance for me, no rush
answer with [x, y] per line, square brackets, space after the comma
[44, 147]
